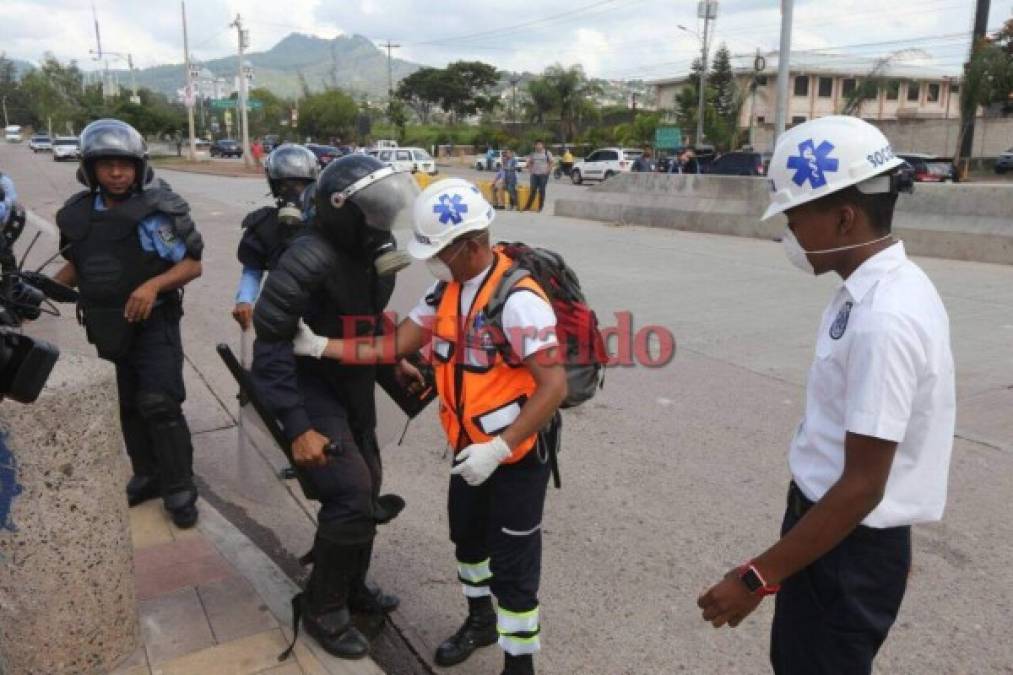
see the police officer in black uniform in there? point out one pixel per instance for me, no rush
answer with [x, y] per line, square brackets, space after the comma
[290, 169]
[329, 277]
[131, 246]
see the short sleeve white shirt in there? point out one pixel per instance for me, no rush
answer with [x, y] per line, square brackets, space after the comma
[528, 321]
[883, 368]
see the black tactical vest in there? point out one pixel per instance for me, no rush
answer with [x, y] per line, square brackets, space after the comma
[106, 250]
[264, 239]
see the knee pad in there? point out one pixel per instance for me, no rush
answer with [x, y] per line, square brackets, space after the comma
[156, 406]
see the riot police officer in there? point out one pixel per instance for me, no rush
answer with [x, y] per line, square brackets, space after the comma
[330, 277]
[290, 169]
[131, 246]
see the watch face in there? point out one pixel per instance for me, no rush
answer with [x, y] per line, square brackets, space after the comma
[751, 580]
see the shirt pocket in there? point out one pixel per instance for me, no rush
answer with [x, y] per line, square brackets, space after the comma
[826, 377]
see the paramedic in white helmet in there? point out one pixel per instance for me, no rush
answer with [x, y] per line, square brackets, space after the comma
[500, 392]
[871, 456]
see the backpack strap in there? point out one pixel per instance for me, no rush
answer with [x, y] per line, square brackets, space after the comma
[436, 297]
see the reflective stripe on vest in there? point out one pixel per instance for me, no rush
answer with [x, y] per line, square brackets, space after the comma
[481, 393]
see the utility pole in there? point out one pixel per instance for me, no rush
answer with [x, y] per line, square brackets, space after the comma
[390, 68]
[6, 121]
[708, 11]
[188, 97]
[967, 117]
[135, 99]
[513, 98]
[244, 42]
[783, 69]
[633, 101]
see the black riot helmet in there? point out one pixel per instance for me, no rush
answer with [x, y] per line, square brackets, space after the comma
[109, 138]
[358, 195]
[290, 162]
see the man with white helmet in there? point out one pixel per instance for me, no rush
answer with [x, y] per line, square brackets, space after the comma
[871, 455]
[500, 391]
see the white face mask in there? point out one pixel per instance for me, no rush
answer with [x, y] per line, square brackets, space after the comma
[798, 257]
[439, 269]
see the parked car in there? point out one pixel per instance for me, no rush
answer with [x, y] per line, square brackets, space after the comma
[740, 163]
[482, 162]
[226, 147]
[12, 133]
[270, 142]
[325, 153]
[1005, 162]
[929, 168]
[408, 159]
[40, 143]
[66, 147]
[603, 164]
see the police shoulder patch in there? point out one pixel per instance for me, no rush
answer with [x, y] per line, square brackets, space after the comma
[840, 324]
[167, 234]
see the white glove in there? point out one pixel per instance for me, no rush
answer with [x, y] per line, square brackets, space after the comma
[308, 343]
[479, 460]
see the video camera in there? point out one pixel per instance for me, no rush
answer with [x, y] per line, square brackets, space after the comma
[25, 363]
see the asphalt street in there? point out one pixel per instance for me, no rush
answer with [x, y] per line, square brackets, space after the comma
[671, 475]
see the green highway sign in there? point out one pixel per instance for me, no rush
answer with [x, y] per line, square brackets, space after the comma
[230, 104]
[668, 138]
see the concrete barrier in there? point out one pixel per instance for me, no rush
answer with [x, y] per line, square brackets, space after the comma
[67, 600]
[964, 221]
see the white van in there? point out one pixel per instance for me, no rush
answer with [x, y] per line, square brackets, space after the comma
[415, 160]
[12, 134]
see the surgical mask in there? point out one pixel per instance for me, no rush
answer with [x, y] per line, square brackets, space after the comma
[439, 269]
[798, 257]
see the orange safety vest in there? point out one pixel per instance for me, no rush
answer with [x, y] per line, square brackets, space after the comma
[481, 392]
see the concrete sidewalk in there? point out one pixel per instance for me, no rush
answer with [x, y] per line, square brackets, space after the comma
[211, 602]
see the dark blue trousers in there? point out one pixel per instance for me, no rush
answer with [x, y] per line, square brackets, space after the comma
[832, 617]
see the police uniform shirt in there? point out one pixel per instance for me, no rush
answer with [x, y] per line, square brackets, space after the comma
[157, 235]
[527, 318]
[883, 368]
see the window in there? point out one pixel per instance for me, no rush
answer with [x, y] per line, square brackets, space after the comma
[385, 155]
[913, 91]
[760, 119]
[892, 90]
[848, 86]
[954, 88]
[761, 80]
[933, 93]
[608, 156]
[593, 157]
[802, 85]
[404, 155]
[798, 119]
[826, 87]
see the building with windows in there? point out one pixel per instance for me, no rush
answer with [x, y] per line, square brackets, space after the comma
[824, 84]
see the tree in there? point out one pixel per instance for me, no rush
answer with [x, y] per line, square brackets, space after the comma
[421, 91]
[267, 119]
[573, 93]
[722, 81]
[541, 100]
[328, 113]
[466, 87]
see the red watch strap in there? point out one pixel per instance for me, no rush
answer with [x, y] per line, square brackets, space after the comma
[765, 589]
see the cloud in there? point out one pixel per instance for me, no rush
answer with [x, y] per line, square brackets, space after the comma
[610, 38]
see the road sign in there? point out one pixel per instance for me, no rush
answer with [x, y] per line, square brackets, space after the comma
[668, 138]
[230, 104]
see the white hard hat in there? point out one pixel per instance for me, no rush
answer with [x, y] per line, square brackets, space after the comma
[443, 212]
[823, 156]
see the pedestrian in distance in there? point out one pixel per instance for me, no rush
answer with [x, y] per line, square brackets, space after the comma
[871, 456]
[267, 231]
[510, 177]
[498, 415]
[539, 166]
[685, 162]
[644, 163]
[257, 150]
[499, 189]
[131, 247]
[490, 159]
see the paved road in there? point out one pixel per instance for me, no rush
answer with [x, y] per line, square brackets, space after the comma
[671, 475]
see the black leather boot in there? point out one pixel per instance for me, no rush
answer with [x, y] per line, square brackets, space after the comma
[518, 665]
[173, 450]
[479, 630]
[323, 607]
[141, 488]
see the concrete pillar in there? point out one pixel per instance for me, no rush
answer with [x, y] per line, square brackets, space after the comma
[67, 599]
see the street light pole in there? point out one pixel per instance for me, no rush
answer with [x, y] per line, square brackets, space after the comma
[189, 87]
[244, 37]
[783, 70]
[708, 11]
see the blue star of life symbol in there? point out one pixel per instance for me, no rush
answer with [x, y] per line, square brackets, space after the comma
[450, 209]
[812, 162]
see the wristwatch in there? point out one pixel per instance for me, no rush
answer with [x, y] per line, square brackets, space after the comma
[754, 581]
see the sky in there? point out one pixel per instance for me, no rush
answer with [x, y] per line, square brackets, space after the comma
[614, 39]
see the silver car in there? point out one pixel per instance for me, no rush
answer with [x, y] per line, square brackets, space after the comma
[66, 147]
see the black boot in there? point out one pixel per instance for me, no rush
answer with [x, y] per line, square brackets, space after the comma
[366, 597]
[173, 450]
[323, 607]
[141, 488]
[479, 630]
[518, 665]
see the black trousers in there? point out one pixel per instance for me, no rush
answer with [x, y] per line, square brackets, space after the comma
[350, 482]
[154, 366]
[500, 520]
[538, 183]
[832, 617]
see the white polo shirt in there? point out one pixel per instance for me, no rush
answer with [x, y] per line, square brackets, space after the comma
[883, 368]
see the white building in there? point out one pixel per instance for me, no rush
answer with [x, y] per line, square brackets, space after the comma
[821, 83]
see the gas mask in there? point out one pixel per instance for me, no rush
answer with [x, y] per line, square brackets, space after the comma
[381, 247]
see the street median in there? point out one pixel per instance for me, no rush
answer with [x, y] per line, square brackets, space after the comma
[962, 221]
